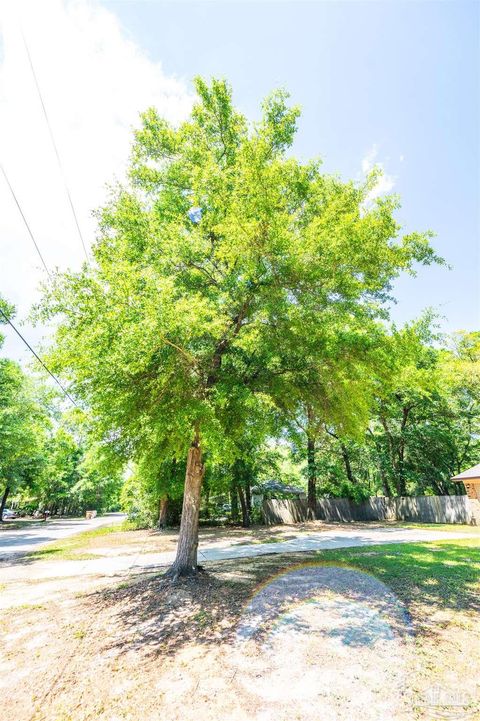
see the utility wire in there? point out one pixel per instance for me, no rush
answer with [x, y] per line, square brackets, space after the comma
[52, 138]
[24, 218]
[65, 392]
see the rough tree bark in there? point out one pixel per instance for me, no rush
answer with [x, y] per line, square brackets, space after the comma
[162, 512]
[386, 486]
[185, 563]
[3, 502]
[243, 504]
[348, 466]
[345, 456]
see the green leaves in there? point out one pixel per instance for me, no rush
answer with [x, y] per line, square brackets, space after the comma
[279, 123]
[270, 292]
[6, 312]
[23, 426]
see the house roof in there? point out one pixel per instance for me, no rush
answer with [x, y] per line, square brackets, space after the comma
[278, 487]
[473, 472]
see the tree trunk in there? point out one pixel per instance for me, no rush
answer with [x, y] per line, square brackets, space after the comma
[243, 504]
[346, 460]
[401, 485]
[185, 562]
[312, 478]
[386, 486]
[3, 502]
[162, 512]
[248, 495]
[400, 480]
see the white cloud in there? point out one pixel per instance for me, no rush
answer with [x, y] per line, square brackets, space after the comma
[368, 161]
[385, 182]
[94, 82]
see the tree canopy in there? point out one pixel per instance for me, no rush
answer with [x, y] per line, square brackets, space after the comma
[228, 279]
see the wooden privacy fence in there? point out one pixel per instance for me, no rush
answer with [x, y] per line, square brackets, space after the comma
[424, 509]
[284, 511]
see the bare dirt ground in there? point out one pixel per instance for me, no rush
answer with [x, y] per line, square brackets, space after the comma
[270, 638]
[150, 651]
[342, 636]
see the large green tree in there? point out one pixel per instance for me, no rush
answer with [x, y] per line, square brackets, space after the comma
[221, 270]
[24, 423]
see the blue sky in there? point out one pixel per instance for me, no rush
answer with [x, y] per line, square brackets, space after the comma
[399, 76]
[392, 82]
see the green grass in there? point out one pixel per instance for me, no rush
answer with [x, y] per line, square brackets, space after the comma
[75, 548]
[440, 573]
[266, 539]
[17, 525]
[452, 527]
[439, 583]
[202, 618]
[270, 539]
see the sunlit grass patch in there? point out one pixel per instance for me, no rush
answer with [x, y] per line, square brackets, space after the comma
[76, 548]
[436, 573]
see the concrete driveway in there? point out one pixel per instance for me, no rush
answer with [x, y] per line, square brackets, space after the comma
[24, 540]
[220, 550]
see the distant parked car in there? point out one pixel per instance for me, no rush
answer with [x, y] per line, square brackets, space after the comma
[7, 513]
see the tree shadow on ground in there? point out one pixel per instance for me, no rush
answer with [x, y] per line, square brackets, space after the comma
[159, 618]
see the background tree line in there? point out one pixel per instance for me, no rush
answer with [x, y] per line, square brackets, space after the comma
[423, 428]
[47, 461]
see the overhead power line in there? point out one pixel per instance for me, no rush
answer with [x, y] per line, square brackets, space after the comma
[65, 392]
[52, 138]
[24, 218]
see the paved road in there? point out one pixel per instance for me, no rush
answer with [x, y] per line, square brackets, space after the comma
[24, 540]
[136, 563]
